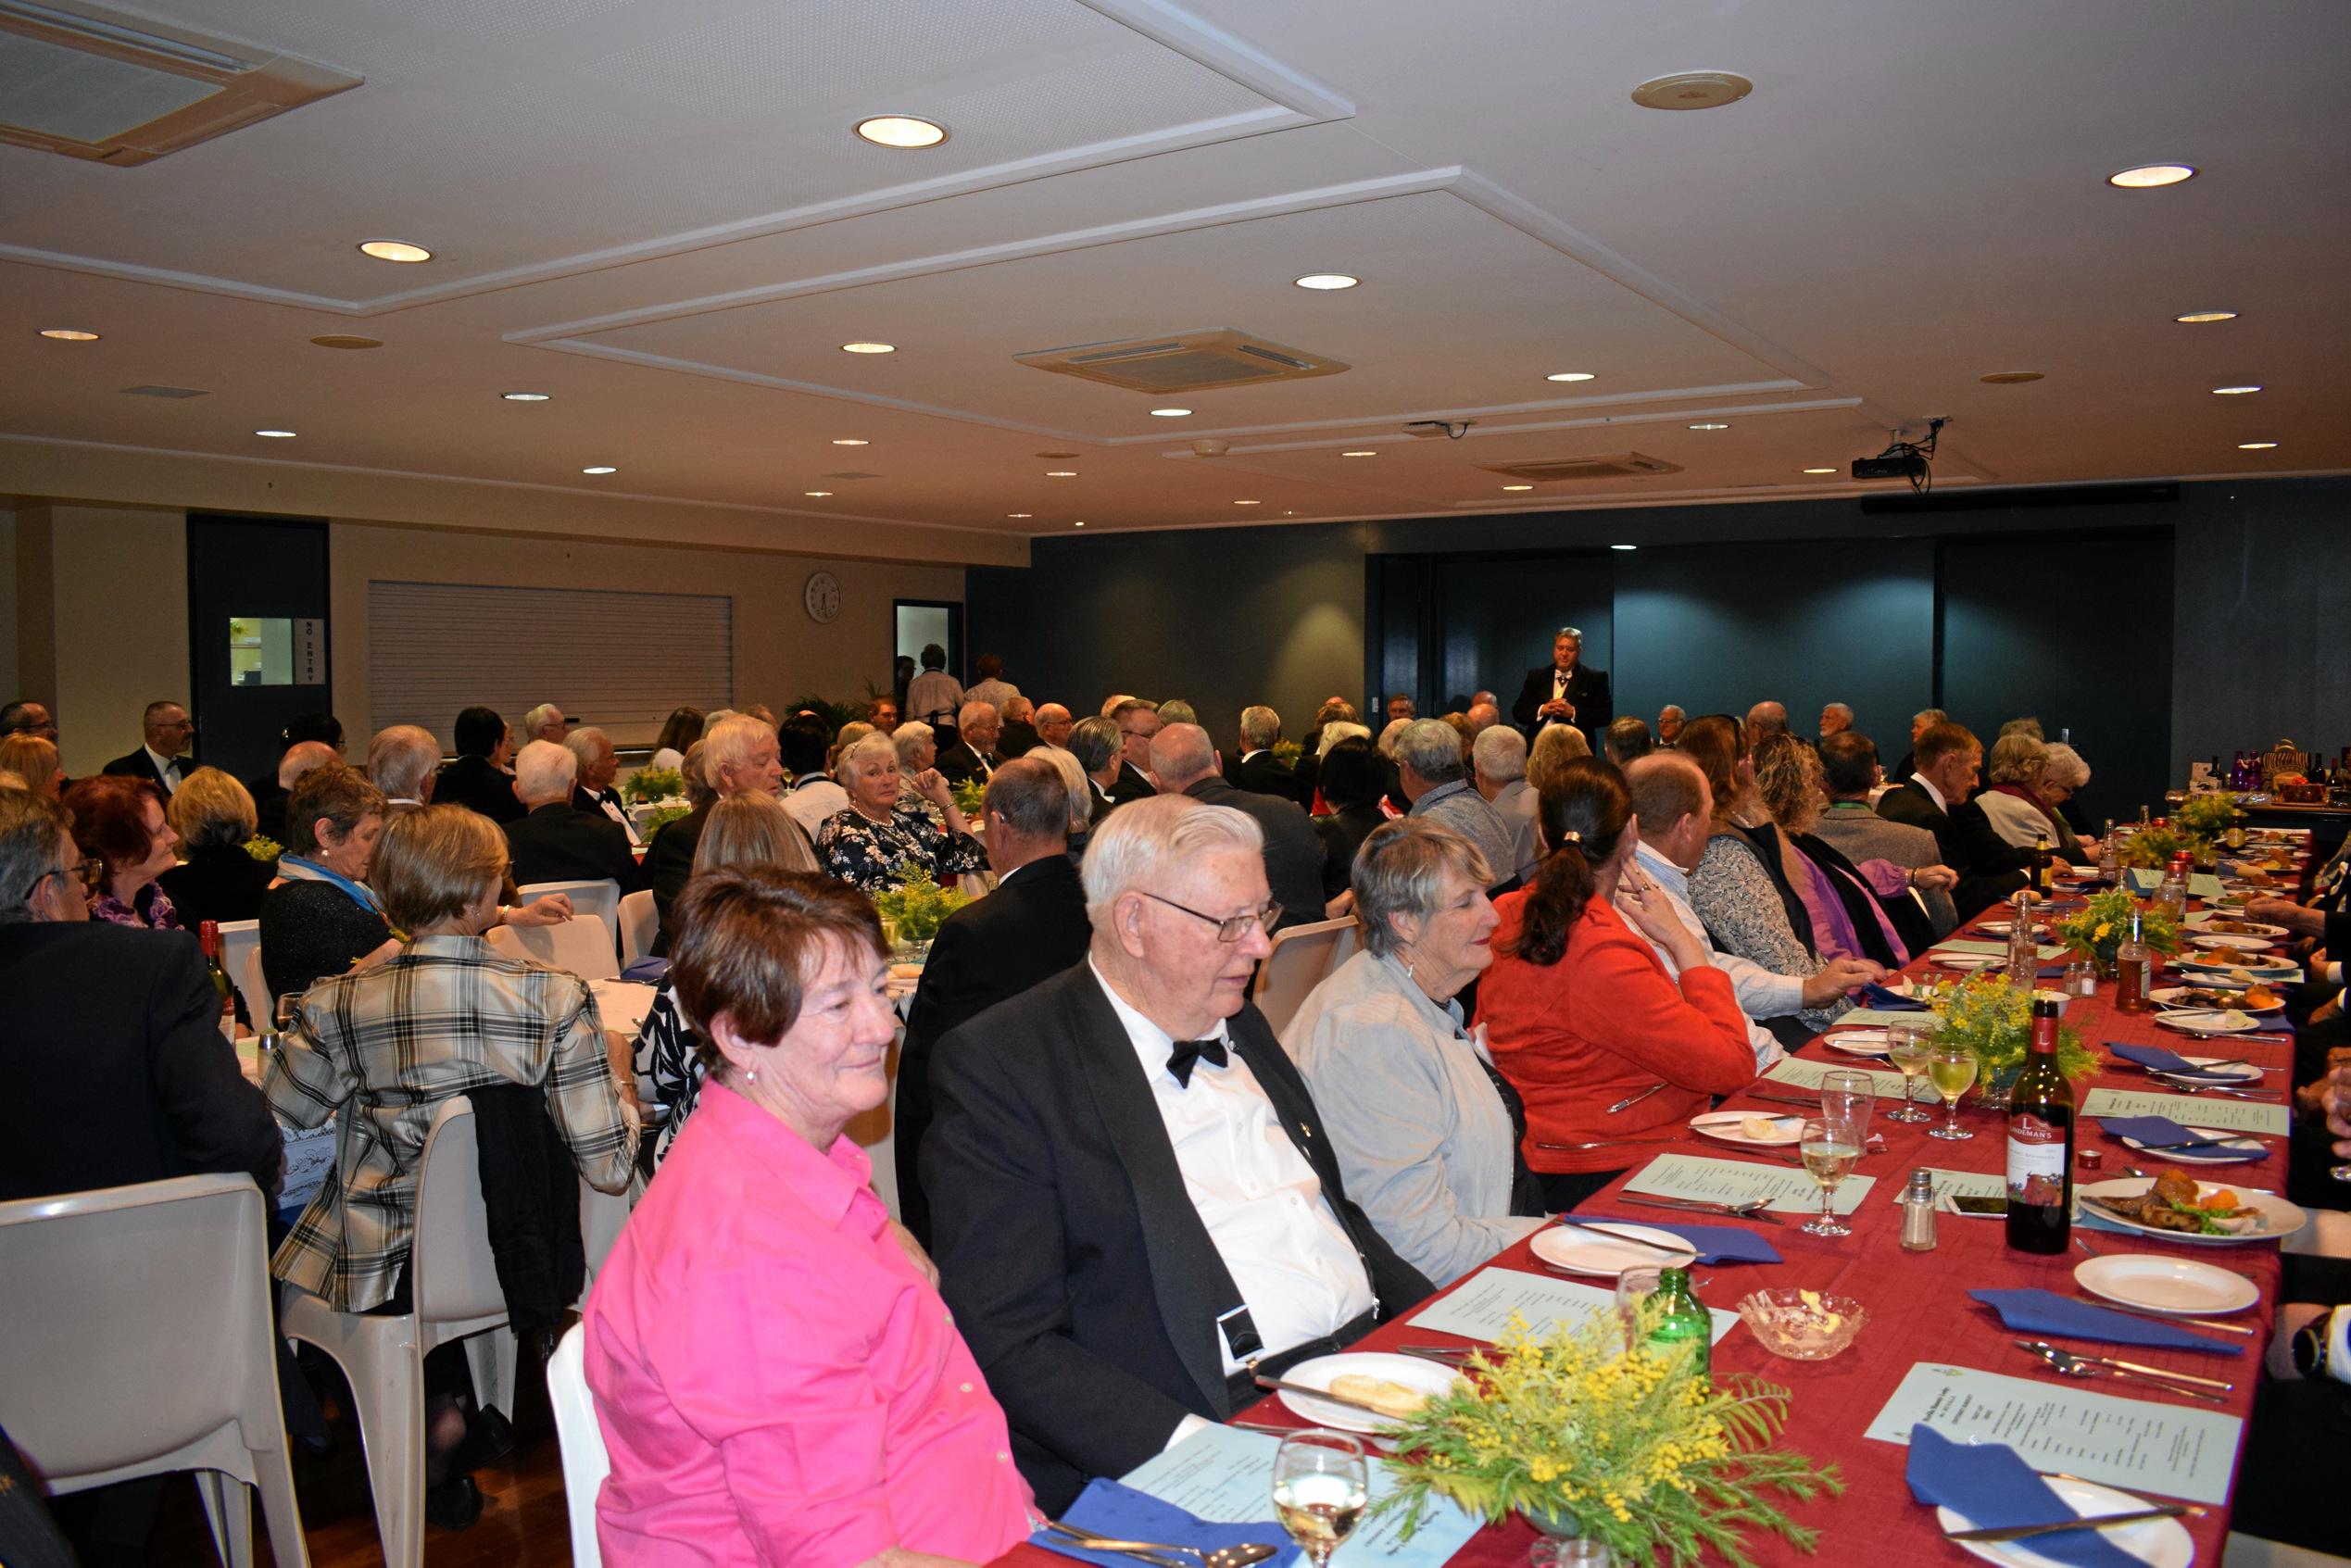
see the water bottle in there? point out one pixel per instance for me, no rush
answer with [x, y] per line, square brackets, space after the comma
[1676, 1318]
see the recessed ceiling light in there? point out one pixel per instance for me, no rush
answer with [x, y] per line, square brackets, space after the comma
[1249, 503]
[1820, 470]
[850, 441]
[394, 250]
[346, 340]
[1020, 514]
[820, 494]
[1570, 375]
[2151, 176]
[2256, 446]
[1710, 424]
[1360, 452]
[523, 396]
[2010, 378]
[1169, 413]
[2232, 391]
[1080, 522]
[600, 469]
[276, 434]
[863, 347]
[1624, 546]
[901, 131]
[69, 334]
[2197, 318]
[1060, 474]
[1326, 280]
[1517, 487]
[1692, 90]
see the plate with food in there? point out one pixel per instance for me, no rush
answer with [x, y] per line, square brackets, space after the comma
[2159, 1543]
[1856, 1042]
[1749, 1129]
[1583, 1247]
[2176, 1286]
[2220, 995]
[2177, 1207]
[1397, 1386]
[2231, 941]
[2228, 925]
[2242, 969]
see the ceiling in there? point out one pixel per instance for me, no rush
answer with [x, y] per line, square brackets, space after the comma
[656, 212]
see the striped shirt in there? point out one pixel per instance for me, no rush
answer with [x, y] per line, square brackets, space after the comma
[380, 1048]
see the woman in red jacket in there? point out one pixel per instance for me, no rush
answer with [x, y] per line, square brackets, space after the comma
[1579, 1014]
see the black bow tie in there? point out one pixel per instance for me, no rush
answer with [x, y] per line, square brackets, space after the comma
[1180, 1060]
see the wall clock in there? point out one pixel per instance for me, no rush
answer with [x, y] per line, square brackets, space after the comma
[822, 597]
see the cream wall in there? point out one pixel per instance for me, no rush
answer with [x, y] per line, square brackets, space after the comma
[780, 653]
[102, 620]
[8, 597]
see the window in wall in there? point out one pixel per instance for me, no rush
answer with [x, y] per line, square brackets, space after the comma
[260, 651]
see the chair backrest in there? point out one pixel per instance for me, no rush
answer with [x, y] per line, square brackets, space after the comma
[601, 899]
[260, 1007]
[1302, 955]
[1350, 943]
[134, 1325]
[241, 955]
[583, 945]
[452, 1275]
[586, 1462]
[641, 923]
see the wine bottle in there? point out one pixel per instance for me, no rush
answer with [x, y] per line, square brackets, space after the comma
[2133, 969]
[1676, 1319]
[2040, 1143]
[2045, 870]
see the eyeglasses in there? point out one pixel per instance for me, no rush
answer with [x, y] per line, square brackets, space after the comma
[87, 871]
[1139, 735]
[1230, 928]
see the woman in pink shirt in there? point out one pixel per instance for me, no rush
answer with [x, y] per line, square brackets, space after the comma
[776, 1376]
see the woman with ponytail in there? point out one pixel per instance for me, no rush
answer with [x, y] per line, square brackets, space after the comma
[1580, 1015]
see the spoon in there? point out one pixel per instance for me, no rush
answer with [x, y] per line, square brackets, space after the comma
[2072, 1366]
[1222, 1557]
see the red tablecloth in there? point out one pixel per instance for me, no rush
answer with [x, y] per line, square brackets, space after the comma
[1919, 1308]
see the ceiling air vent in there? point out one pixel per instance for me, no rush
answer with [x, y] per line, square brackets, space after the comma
[121, 88]
[1186, 362]
[163, 392]
[1617, 465]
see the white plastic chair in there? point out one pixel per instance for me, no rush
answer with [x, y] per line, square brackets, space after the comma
[601, 899]
[641, 923]
[583, 945]
[586, 1462]
[135, 1340]
[453, 1294]
[260, 1007]
[1302, 955]
[240, 955]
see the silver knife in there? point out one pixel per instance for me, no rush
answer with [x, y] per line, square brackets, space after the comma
[2094, 1522]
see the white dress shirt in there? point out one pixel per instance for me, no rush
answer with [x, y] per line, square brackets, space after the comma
[815, 803]
[1932, 793]
[1261, 1201]
[1761, 993]
[166, 767]
[611, 807]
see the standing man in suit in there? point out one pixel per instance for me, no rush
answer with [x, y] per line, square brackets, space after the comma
[1257, 769]
[593, 793]
[1567, 691]
[554, 841]
[1031, 927]
[1135, 1206]
[478, 779]
[163, 760]
[1185, 763]
[973, 754]
[1935, 797]
[1138, 722]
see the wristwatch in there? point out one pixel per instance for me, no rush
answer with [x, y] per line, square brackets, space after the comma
[2309, 1348]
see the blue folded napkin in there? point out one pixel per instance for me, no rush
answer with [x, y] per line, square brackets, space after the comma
[648, 970]
[1123, 1513]
[1994, 1489]
[1715, 1244]
[1878, 999]
[2158, 1131]
[2168, 1061]
[2049, 971]
[2045, 1311]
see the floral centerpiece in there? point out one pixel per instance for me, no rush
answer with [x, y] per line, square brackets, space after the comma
[1288, 752]
[263, 848]
[2151, 849]
[2098, 929]
[970, 797]
[912, 912]
[1628, 1449]
[660, 816]
[1993, 1019]
[2206, 816]
[654, 784]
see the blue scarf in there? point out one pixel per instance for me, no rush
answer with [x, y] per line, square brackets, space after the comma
[301, 870]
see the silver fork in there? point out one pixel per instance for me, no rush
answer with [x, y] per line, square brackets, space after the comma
[2071, 1365]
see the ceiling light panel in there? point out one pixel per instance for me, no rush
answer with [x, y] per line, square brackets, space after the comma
[901, 130]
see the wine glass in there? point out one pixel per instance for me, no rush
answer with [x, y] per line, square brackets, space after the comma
[289, 1010]
[1828, 1151]
[1951, 1069]
[1320, 1487]
[1906, 1049]
[1579, 1552]
[1634, 1287]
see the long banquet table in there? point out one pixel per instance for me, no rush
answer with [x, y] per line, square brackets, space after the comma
[1917, 1303]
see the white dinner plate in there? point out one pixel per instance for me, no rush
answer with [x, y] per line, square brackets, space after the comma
[2259, 928]
[2230, 939]
[2177, 997]
[1856, 1042]
[2224, 964]
[2277, 1217]
[1322, 1371]
[2181, 1286]
[2196, 1021]
[2235, 1073]
[2159, 1543]
[2002, 927]
[1786, 1131]
[1581, 1251]
[1963, 961]
[2240, 1147]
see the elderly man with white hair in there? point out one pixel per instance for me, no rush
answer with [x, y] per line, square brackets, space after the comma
[402, 761]
[1255, 768]
[553, 841]
[1835, 719]
[599, 763]
[1054, 723]
[1136, 1209]
[1498, 758]
[546, 722]
[1430, 771]
[973, 754]
[1185, 763]
[1670, 719]
[739, 753]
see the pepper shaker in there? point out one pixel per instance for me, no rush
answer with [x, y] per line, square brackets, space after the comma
[1918, 1213]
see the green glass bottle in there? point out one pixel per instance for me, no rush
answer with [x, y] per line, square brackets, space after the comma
[1675, 1318]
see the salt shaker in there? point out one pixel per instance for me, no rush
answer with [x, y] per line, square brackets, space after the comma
[1918, 1213]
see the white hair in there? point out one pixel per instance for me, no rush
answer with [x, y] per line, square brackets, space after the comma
[1339, 730]
[1500, 753]
[545, 771]
[1260, 727]
[400, 759]
[1843, 708]
[729, 742]
[1081, 798]
[868, 749]
[1387, 742]
[2066, 768]
[1431, 748]
[1143, 837]
[910, 733]
[972, 711]
[537, 718]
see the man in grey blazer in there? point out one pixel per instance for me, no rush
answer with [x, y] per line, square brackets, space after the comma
[1849, 770]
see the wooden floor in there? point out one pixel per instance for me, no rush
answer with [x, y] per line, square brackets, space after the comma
[525, 1522]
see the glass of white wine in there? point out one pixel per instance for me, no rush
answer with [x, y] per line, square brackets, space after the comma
[1952, 1069]
[1906, 1049]
[1320, 1490]
[1828, 1149]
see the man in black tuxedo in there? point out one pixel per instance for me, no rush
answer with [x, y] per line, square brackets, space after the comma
[973, 754]
[163, 761]
[554, 841]
[1566, 691]
[1138, 722]
[1019, 735]
[592, 793]
[1097, 745]
[1256, 769]
[1935, 797]
[1031, 927]
[477, 779]
[1135, 1206]
[1185, 763]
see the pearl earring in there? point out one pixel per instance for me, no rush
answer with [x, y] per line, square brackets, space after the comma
[750, 1075]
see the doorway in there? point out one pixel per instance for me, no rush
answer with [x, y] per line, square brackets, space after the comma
[257, 635]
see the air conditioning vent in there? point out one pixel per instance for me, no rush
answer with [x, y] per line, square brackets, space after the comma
[163, 392]
[121, 88]
[852, 473]
[1618, 465]
[1186, 362]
